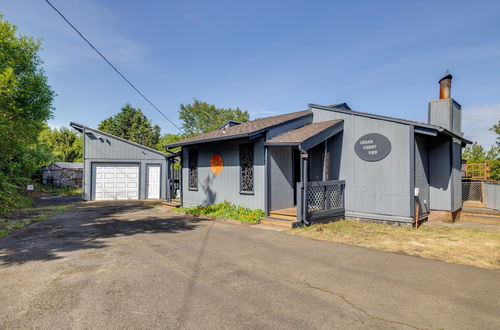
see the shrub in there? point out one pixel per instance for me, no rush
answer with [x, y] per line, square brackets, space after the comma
[225, 210]
[10, 195]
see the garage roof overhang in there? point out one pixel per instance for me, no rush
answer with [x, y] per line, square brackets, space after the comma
[81, 128]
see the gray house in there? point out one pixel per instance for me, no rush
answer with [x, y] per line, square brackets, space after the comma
[330, 161]
[115, 168]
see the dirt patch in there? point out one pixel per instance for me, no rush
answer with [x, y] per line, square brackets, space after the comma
[460, 245]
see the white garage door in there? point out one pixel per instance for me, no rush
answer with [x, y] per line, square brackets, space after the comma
[115, 181]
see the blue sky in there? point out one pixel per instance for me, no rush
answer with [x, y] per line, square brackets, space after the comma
[269, 57]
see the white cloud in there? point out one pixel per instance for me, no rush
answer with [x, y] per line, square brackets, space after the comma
[476, 123]
[61, 46]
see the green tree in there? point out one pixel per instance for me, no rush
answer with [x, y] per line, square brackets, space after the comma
[131, 124]
[64, 144]
[25, 106]
[168, 138]
[474, 153]
[25, 99]
[496, 128]
[201, 117]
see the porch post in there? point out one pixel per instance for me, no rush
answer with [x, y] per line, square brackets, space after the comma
[325, 154]
[304, 192]
[266, 180]
[169, 179]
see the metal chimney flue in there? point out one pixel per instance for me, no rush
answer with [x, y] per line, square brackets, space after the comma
[445, 86]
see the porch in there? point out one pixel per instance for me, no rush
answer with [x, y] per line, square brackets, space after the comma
[303, 170]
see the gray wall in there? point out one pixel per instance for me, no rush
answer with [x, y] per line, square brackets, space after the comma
[422, 174]
[445, 174]
[378, 190]
[280, 178]
[492, 195]
[226, 185]
[447, 114]
[111, 150]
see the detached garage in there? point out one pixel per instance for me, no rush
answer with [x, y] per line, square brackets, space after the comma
[115, 168]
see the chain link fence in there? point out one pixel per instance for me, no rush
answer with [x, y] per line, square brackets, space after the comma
[472, 191]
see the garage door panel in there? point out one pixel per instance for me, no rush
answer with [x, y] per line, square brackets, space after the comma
[115, 181]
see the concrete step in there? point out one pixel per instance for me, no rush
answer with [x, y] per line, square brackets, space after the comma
[279, 222]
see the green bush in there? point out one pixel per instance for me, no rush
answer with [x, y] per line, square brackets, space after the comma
[10, 195]
[225, 210]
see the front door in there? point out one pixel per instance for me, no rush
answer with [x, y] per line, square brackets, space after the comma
[153, 181]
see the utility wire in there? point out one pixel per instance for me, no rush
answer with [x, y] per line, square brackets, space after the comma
[111, 65]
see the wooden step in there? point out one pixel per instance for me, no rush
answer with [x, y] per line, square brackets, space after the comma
[279, 222]
[288, 213]
[282, 216]
[171, 204]
[480, 218]
[485, 215]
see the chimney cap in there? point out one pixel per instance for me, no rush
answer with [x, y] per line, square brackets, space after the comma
[447, 75]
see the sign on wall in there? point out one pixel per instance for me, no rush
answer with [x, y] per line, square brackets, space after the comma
[216, 164]
[372, 147]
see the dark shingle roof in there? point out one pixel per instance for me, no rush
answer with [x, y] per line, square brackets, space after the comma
[303, 133]
[242, 130]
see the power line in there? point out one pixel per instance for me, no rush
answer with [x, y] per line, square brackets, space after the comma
[111, 65]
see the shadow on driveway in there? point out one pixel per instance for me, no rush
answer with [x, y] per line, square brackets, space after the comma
[87, 226]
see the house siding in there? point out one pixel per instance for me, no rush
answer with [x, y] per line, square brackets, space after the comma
[378, 190]
[112, 150]
[225, 186]
[280, 178]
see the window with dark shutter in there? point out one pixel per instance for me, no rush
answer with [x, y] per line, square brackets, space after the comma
[193, 169]
[246, 168]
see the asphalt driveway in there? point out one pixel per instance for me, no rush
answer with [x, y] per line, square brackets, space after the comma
[133, 265]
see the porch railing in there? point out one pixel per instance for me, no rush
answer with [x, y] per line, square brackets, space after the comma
[324, 200]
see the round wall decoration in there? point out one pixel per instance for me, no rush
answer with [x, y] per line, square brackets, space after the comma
[216, 164]
[372, 147]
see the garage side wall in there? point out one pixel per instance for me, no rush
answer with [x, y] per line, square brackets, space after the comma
[225, 186]
[374, 190]
[100, 148]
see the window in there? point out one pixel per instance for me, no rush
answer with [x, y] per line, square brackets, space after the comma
[246, 168]
[193, 169]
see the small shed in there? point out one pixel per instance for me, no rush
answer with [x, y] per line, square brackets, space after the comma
[63, 174]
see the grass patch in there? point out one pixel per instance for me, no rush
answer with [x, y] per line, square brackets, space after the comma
[224, 210]
[29, 215]
[53, 190]
[466, 246]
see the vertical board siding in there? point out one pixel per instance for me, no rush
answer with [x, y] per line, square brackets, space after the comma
[440, 177]
[225, 186]
[111, 150]
[422, 173]
[280, 178]
[376, 189]
[492, 195]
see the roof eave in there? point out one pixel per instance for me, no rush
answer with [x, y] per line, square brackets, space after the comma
[250, 135]
[79, 127]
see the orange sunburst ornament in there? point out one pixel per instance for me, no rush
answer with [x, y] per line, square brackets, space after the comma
[216, 164]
